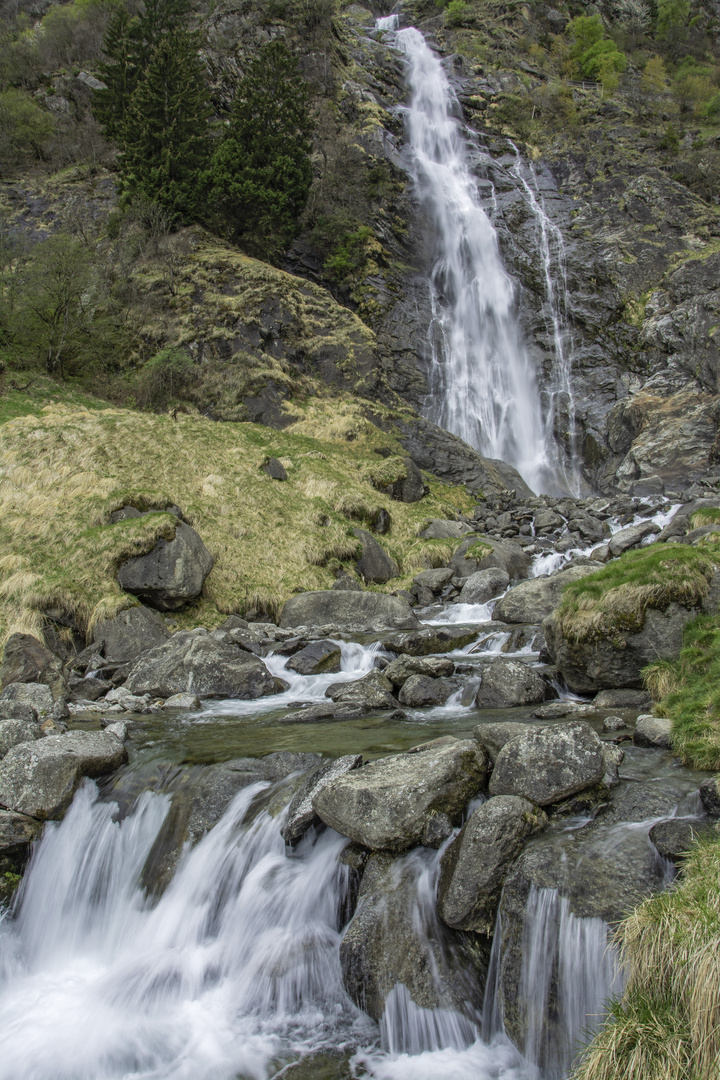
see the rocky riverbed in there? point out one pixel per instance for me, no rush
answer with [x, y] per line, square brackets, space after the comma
[488, 800]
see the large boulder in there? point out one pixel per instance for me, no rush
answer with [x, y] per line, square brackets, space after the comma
[442, 529]
[171, 574]
[431, 639]
[396, 941]
[653, 731]
[316, 658]
[420, 690]
[482, 553]
[388, 803]
[300, 814]
[40, 778]
[412, 486]
[473, 867]
[483, 586]
[507, 683]
[372, 691]
[130, 633]
[550, 765]
[34, 696]
[193, 662]
[631, 537]
[533, 600]
[399, 671]
[374, 564]
[26, 660]
[361, 611]
[17, 832]
[14, 732]
[494, 736]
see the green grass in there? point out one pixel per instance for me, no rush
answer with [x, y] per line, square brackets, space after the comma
[38, 391]
[615, 599]
[666, 1026]
[709, 515]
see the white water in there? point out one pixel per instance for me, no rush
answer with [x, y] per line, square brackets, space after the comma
[483, 386]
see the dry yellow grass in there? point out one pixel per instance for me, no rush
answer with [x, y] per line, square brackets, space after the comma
[64, 471]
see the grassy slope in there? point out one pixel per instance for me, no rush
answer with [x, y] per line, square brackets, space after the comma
[64, 468]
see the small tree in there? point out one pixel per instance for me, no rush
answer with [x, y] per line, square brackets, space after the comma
[261, 174]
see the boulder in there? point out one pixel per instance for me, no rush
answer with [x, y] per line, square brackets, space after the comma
[412, 487]
[316, 658]
[494, 736]
[434, 580]
[394, 939]
[118, 729]
[130, 633]
[674, 839]
[182, 701]
[710, 794]
[399, 671]
[622, 699]
[275, 469]
[300, 814]
[653, 731]
[26, 660]
[614, 723]
[442, 529]
[632, 537]
[14, 732]
[533, 600]
[504, 554]
[551, 765]
[473, 867]
[325, 711]
[17, 832]
[388, 803]
[483, 586]
[420, 690]
[171, 574]
[40, 778]
[555, 710]
[374, 565]
[35, 696]
[507, 683]
[348, 583]
[193, 663]
[373, 691]
[432, 639]
[16, 710]
[361, 611]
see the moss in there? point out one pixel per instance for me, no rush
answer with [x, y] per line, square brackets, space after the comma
[478, 550]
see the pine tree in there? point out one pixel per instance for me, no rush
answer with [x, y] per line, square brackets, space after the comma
[261, 172]
[119, 72]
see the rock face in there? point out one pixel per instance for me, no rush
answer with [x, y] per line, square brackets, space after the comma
[473, 867]
[364, 611]
[387, 804]
[533, 600]
[483, 586]
[130, 633]
[315, 658]
[506, 683]
[300, 813]
[548, 766]
[374, 564]
[194, 663]
[26, 660]
[171, 574]
[40, 778]
[394, 939]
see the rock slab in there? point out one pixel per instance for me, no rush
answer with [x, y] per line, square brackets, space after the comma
[550, 765]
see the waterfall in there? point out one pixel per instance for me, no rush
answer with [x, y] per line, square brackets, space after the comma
[482, 384]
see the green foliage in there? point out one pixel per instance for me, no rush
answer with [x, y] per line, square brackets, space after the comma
[672, 20]
[596, 55]
[349, 255]
[260, 175]
[25, 127]
[164, 378]
[456, 13]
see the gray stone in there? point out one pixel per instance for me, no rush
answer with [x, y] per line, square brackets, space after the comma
[432, 639]
[675, 839]
[533, 600]
[316, 658]
[507, 683]
[551, 765]
[555, 710]
[631, 537]
[325, 711]
[130, 633]
[374, 564]
[435, 580]
[40, 778]
[622, 699]
[372, 691]
[710, 794]
[483, 586]
[348, 583]
[503, 554]
[494, 736]
[275, 469]
[16, 710]
[194, 663]
[437, 831]
[420, 690]
[614, 757]
[614, 723]
[182, 701]
[473, 867]
[26, 660]
[171, 574]
[14, 732]
[399, 671]
[412, 487]
[361, 611]
[36, 696]
[653, 731]
[442, 529]
[388, 803]
[118, 729]
[300, 813]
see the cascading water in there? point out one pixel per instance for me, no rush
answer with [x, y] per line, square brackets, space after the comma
[483, 386]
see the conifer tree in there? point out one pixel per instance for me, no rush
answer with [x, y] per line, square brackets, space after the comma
[261, 174]
[119, 72]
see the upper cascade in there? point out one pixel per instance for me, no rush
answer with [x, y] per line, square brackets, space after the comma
[482, 382]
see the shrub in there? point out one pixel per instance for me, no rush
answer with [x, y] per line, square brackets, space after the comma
[25, 127]
[164, 378]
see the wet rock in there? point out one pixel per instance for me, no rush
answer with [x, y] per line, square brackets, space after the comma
[614, 757]
[275, 469]
[130, 633]
[533, 600]
[14, 732]
[395, 939]
[374, 564]
[472, 556]
[555, 710]
[300, 813]
[710, 794]
[675, 839]
[362, 611]
[373, 691]
[631, 537]
[193, 663]
[440, 639]
[437, 831]
[399, 671]
[171, 574]
[483, 586]
[388, 803]
[653, 731]
[88, 689]
[126, 700]
[40, 778]
[435, 580]
[322, 711]
[550, 765]
[614, 723]
[118, 729]
[26, 660]
[421, 690]
[506, 683]
[474, 866]
[35, 696]
[182, 701]
[622, 699]
[316, 658]
[494, 736]
[17, 833]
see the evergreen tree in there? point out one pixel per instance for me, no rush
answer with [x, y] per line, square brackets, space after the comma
[119, 72]
[261, 173]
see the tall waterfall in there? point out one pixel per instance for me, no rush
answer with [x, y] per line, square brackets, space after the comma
[482, 384]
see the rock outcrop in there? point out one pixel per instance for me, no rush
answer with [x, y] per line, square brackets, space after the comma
[171, 574]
